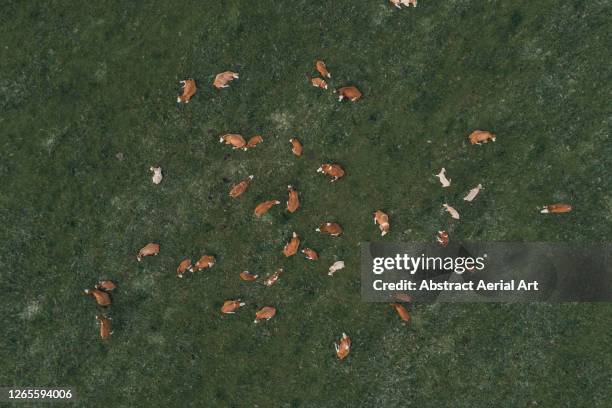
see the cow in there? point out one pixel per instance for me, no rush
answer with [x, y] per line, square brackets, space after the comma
[442, 177]
[183, 267]
[442, 238]
[481, 136]
[205, 262]
[106, 285]
[222, 79]
[322, 69]
[349, 92]
[254, 141]
[105, 326]
[335, 171]
[150, 249]
[293, 202]
[310, 254]
[473, 193]
[343, 347]
[382, 220]
[189, 89]
[453, 213]
[230, 306]
[271, 279]
[264, 207]
[331, 228]
[407, 3]
[292, 246]
[247, 276]
[401, 311]
[402, 297]
[233, 139]
[102, 298]
[265, 313]
[296, 146]
[157, 174]
[239, 188]
[556, 209]
[318, 83]
[335, 267]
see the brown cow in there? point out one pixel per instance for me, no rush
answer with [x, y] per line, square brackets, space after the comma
[254, 141]
[293, 203]
[189, 89]
[266, 312]
[183, 267]
[556, 209]
[230, 306]
[105, 326]
[102, 298]
[318, 83]
[222, 79]
[349, 92]
[235, 140]
[263, 208]
[205, 262]
[310, 254]
[331, 228]
[442, 238]
[106, 285]
[401, 311]
[322, 69]
[382, 220]
[247, 276]
[335, 171]
[343, 347]
[271, 279]
[292, 246]
[481, 136]
[296, 146]
[239, 188]
[150, 249]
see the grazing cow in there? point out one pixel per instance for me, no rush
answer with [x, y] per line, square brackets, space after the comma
[292, 246]
[407, 3]
[343, 347]
[473, 193]
[222, 79]
[263, 208]
[157, 174]
[442, 176]
[293, 203]
[481, 136]
[106, 285]
[382, 220]
[310, 254]
[349, 92]
[442, 238]
[102, 298]
[271, 279]
[296, 146]
[237, 141]
[322, 69]
[239, 188]
[402, 297]
[189, 89]
[230, 306]
[183, 267]
[335, 267]
[318, 83]
[331, 228]
[247, 276]
[205, 262]
[266, 312]
[401, 311]
[453, 213]
[105, 326]
[150, 249]
[332, 170]
[254, 141]
[556, 209]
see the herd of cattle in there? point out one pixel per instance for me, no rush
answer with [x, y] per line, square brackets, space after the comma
[101, 291]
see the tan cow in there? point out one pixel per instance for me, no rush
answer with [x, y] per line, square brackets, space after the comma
[271, 279]
[222, 79]
[382, 220]
[296, 146]
[102, 298]
[105, 326]
[254, 141]
[233, 139]
[481, 136]
[453, 213]
[335, 267]
[247, 276]
[205, 262]
[443, 180]
[157, 174]
[318, 83]
[322, 69]
[335, 171]
[556, 209]
[331, 228]
[293, 202]
[265, 313]
[442, 238]
[183, 267]
[473, 193]
[231, 306]
[407, 3]
[150, 249]
[189, 89]
[401, 311]
[349, 92]
[106, 285]
[292, 246]
[343, 347]
[310, 254]
[264, 207]
[239, 188]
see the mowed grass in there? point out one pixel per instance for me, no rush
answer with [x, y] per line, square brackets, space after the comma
[82, 82]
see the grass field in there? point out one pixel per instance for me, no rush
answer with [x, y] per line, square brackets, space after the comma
[81, 82]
